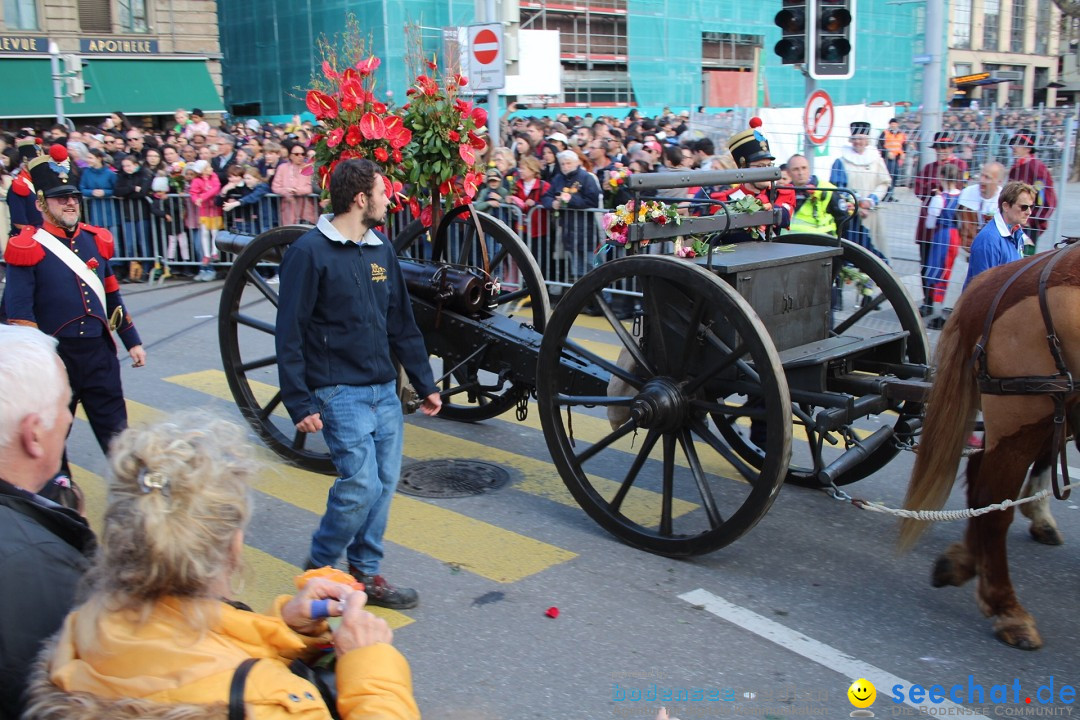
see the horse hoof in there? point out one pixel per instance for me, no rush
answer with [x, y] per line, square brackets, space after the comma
[1021, 635]
[943, 573]
[1047, 534]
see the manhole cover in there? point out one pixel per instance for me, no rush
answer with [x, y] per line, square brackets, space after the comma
[451, 478]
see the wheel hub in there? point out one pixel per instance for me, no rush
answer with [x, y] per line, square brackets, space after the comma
[660, 405]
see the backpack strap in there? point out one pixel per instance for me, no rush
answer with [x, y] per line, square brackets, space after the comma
[236, 689]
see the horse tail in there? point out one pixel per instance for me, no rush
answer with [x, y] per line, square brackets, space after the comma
[950, 414]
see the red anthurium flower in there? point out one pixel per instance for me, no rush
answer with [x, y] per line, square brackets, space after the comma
[396, 155]
[329, 71]
[462, 80]
[425, 217]
[350, 75]
[467, 154]
[414, 207]
[393, 125]
[316, 139]
[477, 142]
[378, 107]
[470, 185]
[366, 67]
[354, 137]
[389, 187]
[446, 188]
[371, 125]
[322, 105]
[307, 170]
[402, 138]
[463, 106]
[324, 176]
[381, 155]
[454, 136]
[479, 116]
[352, 93]
[335, 137]
[431, 63]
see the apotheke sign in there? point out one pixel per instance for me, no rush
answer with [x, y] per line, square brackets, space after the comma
[117, 46]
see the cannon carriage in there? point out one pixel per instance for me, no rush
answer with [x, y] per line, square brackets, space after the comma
[734, 373]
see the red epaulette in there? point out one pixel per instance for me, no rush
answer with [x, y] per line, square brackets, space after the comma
[103, 238]
[21, 186]
[23, 249]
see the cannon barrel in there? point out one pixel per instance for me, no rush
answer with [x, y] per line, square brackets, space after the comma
[232, 242]
[463, 290]
[701, 178]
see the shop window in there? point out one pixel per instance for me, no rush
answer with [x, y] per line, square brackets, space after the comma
[20, 14]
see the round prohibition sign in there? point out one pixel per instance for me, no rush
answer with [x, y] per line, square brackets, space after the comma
[818, 117]
[485, 47]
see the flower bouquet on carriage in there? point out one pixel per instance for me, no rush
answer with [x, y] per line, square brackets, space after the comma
[428, 150]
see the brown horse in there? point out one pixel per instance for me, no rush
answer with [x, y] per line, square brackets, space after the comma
[1019, 429]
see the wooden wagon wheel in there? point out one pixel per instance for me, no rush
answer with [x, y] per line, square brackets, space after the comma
[246, 321]
[887, 308]
[665, 480]
[470, 392]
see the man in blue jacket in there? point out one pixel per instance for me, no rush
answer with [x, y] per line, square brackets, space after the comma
[343, 308]
[574, 191]
[1002, 239]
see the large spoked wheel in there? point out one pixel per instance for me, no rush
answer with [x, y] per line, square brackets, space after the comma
[471, 390]
[664, 479]
[246, 322]
[861, 309]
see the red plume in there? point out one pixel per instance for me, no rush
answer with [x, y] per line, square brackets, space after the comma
[755, 122]
[58, 153]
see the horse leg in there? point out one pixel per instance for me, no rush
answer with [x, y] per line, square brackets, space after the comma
[956, 565]
[1002, 474]
[1043, 528]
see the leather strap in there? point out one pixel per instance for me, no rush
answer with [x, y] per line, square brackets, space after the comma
[236, 689]
[480, 239]
[979, 357]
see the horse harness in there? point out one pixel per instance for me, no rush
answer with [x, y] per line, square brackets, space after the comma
[1058, 386]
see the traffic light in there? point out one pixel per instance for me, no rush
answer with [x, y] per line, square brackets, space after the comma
[830, 35]
[792, 23]
[74, 86]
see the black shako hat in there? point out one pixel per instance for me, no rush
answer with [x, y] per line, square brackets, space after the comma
[50, 172]
[749, 145]
[860, 128]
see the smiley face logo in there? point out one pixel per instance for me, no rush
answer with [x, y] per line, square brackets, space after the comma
[862, 693]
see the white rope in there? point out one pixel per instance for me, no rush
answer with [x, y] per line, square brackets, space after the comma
[950, 515]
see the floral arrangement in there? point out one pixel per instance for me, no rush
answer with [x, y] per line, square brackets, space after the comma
[445, 157]
[864, 286]
[617, 178]
[617, 224]
[698, 246]
[355, 123]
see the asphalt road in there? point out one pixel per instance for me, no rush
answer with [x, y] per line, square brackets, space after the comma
[776, 625]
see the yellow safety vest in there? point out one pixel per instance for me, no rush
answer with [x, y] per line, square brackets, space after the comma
[813, 216]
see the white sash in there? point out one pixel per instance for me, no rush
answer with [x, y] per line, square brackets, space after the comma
[73, 261]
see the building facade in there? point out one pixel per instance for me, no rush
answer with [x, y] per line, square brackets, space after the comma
[643, 53]
[140, 57]
[1015, 43]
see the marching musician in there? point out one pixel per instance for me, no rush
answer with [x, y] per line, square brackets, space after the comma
[61, 282]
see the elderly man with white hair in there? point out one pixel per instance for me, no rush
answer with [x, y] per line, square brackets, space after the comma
[576, 190]
[44, 547]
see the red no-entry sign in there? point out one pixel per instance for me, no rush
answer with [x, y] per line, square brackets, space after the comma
[487, 71]
[485, 47]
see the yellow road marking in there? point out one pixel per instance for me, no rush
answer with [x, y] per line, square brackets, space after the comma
[538, 476]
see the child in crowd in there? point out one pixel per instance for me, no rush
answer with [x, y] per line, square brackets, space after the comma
[168, 211]
[204, 191]
[249, 206]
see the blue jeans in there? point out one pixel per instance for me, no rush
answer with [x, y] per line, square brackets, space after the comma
[363, 428]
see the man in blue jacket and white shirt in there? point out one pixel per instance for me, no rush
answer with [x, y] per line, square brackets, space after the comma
[1002, 239]
[343, 308]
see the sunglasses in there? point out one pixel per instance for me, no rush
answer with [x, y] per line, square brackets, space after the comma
[299, 154]
[1025, 208]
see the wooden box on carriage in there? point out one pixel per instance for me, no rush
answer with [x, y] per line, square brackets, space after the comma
[789, 287]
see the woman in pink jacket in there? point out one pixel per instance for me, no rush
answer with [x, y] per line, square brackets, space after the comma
[294, 187]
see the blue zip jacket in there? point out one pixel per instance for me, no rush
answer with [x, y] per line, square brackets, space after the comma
[102, 212]
[343, 307]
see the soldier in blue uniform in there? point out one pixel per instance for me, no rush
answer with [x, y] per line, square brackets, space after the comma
[61, 282]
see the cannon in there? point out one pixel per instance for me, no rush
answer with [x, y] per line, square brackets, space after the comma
[737, 372]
